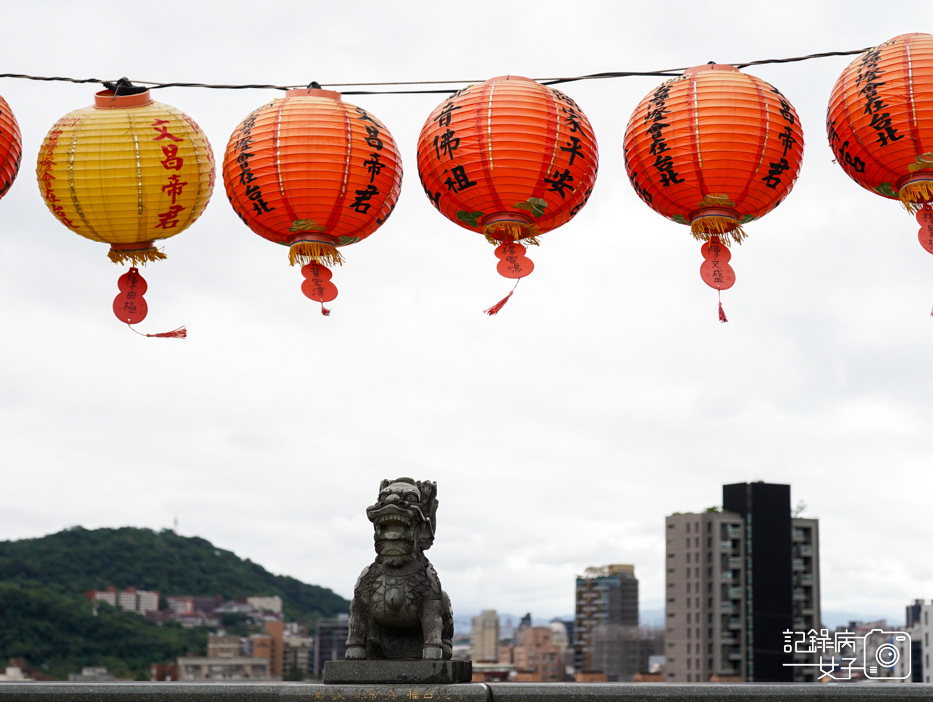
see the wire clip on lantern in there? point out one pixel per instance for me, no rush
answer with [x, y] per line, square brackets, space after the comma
[127, 171]
[511, 159]
[715, 149]
[313, 173]
[880, 122]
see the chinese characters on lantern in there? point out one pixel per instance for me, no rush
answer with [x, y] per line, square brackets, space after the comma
[46, 162]
[242, 150]
[458, 179]
[560, 182]
[172, 162]
[657, 112]
[925, 220]
[372, 164]
[868, 82]
[786, 139]
[843, 155]
[512, 260]
[129, 305]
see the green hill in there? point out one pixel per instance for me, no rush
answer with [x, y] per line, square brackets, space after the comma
[45, 619]
[77, 559]
[60, 635]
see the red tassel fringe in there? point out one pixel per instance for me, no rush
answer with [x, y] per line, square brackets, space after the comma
[499, 305]
[722, 314]
[324, 310]
[180, 333]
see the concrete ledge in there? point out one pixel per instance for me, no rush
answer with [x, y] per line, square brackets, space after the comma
[397, 672]
[470, 692]
[707, 692]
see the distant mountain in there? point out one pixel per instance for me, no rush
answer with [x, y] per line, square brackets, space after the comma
[76, 560]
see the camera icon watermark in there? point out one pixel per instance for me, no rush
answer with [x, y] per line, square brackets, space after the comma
[845, 655]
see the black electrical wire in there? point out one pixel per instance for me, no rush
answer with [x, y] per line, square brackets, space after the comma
[668, 73]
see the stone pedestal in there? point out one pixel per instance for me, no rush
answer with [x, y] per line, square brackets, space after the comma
[404, 671]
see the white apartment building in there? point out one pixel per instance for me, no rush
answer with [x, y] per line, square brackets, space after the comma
[710, 596]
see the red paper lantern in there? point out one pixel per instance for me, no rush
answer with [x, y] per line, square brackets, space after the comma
[880, 124]
[510, 159]
[714, 148]
[11, 147]
[313, 173]
[880, 120]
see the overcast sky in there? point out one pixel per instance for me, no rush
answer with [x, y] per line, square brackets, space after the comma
[603, 397]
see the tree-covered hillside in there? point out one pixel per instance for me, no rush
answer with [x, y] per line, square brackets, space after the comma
[60, 634]
[76, 560]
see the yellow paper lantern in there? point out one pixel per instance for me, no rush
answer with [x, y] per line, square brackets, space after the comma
[126, 171]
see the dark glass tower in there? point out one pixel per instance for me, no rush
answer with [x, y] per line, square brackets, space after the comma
[765, 508]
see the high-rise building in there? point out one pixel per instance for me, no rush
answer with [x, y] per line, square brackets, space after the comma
[918, 658]
[330, 642]
[605, 595]
[737, 579]
[486, 637]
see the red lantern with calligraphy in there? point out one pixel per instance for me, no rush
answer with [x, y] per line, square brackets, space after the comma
[510, 159]
[714, 148]
[880, 124]
[314, 173]
[127, 171]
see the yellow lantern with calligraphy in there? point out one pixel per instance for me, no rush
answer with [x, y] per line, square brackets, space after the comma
[126, 171]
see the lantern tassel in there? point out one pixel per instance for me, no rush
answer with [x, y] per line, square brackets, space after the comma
[498, 232]
[304, 252]
[722, 313]
[180, 333]
[138, 257]
[915, 195]
[324, 310]
[499, 305]
[723, 227]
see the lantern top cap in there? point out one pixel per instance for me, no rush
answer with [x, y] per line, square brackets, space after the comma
[313, 92]
[107, 99]
[530, 80]
[712, 67]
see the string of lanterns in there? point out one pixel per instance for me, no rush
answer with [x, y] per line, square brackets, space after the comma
[510, 159]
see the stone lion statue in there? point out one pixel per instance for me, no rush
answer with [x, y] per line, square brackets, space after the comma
[398, 608]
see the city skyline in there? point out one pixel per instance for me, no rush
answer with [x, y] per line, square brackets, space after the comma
[604, 396]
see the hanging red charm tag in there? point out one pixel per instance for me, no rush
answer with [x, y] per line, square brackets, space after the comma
[512, 261]
[925, 220]
[129, 306]
[715, 270]
[317, 285]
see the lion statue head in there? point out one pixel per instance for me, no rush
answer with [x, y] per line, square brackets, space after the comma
[404, 519]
